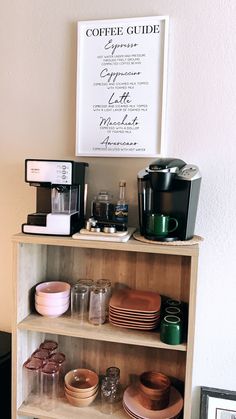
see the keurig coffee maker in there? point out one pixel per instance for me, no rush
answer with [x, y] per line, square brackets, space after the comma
[61, 196]
[168, 192]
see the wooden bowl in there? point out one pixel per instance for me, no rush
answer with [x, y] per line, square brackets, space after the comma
[154, 383]
[81, 380]
[81, 402]
[154, 390]
[81, 395]
[153, 404]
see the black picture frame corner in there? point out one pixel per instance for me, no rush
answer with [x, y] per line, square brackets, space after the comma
[211, 392]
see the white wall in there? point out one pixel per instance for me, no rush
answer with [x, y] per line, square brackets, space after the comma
[37, 119]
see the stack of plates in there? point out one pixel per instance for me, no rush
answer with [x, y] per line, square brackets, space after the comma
[134, 409]
[135, 309]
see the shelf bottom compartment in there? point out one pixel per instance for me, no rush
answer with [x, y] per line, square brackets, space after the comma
[64, 410]
[97, 356]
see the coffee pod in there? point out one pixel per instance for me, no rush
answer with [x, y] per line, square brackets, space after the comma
[171, 331]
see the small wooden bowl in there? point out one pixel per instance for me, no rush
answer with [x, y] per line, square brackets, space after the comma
[154, 383]
[153, 404]
[81, 395]
[81, 380]
[154, 390]
[81, 402]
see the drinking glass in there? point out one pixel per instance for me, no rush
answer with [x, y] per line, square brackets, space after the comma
[32, 380]
[97, 305]
[79, 301]
[60, 359]
[42, 354]
[105, 283]
[86, 281]
[50, 345]
[50, 385]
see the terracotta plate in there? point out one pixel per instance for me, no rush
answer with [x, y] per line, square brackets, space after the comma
[132, 404]
[128, 326]
[130, 413]
[133, 314]
[135, 322]
[136, 300]
[139, 417]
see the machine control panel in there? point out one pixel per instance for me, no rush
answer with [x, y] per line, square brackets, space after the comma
[53, 171]
[189, 172]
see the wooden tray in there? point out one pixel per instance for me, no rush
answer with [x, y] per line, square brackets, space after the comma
[119, 236]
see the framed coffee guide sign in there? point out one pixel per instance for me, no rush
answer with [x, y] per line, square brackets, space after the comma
[121, 87]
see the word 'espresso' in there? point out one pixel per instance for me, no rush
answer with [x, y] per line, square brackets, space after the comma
[130, 30]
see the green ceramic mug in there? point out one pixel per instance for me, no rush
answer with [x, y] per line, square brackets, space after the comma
[160, 225]
[173, 303]
[171, 331]
[175, 311]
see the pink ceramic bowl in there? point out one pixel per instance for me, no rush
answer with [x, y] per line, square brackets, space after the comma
[51, 300]
[49, 311]
[53, 288]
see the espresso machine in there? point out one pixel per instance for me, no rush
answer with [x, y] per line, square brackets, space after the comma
[61, 195]
[168, 192]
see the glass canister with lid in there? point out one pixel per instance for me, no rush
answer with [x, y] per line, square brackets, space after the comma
[102, 207]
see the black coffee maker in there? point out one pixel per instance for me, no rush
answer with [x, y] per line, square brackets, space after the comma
[168, 192]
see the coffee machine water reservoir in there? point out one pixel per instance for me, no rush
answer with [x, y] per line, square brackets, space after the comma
[61, 196]
[168, 192]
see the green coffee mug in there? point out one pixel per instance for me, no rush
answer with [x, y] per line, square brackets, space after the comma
[174, 311]
[171, 331]
[160, 225]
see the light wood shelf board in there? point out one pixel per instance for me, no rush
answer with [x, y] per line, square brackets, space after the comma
[66, 326]
[132, 245]
[64, 410]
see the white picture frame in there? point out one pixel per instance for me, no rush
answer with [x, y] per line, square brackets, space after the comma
[121, 87]
[217, 403]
